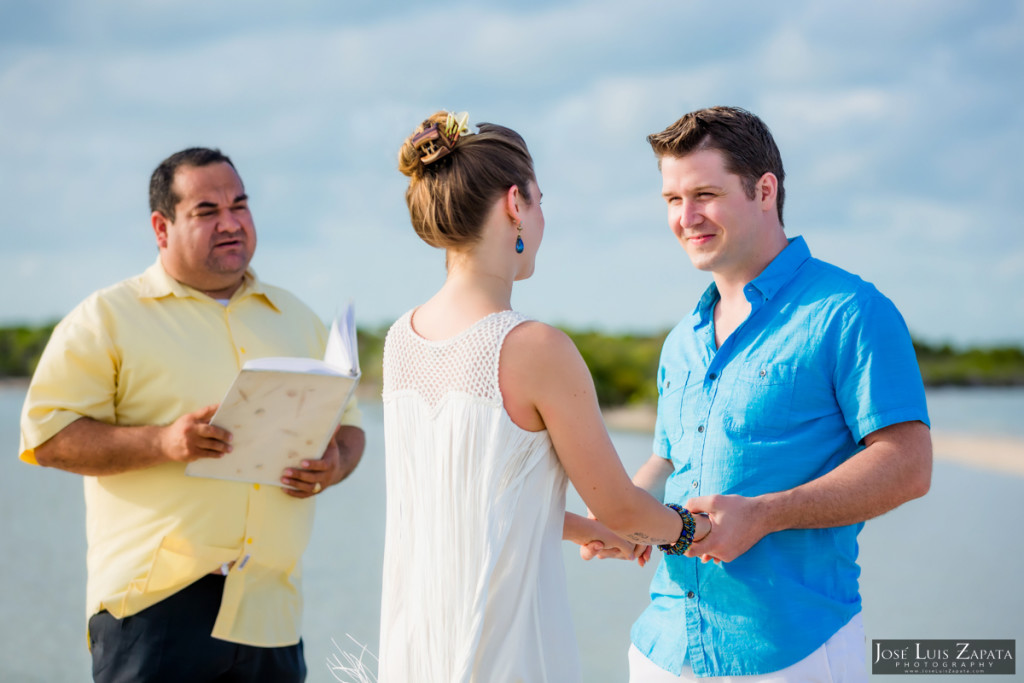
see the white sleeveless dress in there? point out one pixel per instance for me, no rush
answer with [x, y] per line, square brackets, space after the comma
[474, 584]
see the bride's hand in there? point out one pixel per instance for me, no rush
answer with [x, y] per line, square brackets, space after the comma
[604, 544]
[611, 546]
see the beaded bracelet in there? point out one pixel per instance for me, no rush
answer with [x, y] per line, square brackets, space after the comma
[685, 536]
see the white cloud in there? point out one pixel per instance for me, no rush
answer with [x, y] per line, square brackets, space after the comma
[823, 112]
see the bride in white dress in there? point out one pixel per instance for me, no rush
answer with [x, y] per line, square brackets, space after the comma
[487, 415]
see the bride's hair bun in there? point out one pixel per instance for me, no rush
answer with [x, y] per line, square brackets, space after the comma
[434, 140]
[455, 176]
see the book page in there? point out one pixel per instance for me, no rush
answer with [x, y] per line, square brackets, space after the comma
[287, 364]
[277, 419]
[342, 343]
[281, 411]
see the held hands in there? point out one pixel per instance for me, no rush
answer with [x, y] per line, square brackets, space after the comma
[612, 546]
[727, 526]
[619, 550]
[704, 526]
[603, 543]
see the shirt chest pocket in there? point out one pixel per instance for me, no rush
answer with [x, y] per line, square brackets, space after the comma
[670, 403]
[761, 401]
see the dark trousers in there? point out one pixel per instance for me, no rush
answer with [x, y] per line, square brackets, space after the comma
[171, 641]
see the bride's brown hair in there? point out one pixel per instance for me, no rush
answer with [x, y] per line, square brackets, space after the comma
[454, 183]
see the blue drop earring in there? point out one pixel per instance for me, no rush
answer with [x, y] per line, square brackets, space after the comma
[519, 239]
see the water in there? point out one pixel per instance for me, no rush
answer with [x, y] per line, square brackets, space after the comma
[995, 411]
[945, 566]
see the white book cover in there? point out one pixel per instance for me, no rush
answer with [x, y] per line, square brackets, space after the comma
[281, 411]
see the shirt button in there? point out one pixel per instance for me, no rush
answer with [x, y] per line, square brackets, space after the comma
[249, 540]
[690, 594]
[763, 373]
[242, 349]
[256, 486]
[700, 429]
[713, 375]
[694, 484]
[668, 384]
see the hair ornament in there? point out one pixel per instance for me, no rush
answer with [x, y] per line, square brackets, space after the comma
[455, 125]
[437, 141]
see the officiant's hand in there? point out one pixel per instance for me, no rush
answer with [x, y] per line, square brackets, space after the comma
[343, 453]
[192, 437]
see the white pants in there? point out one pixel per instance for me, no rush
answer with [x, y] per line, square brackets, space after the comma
[840, 660]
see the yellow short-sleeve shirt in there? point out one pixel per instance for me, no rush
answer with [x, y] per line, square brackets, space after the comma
[146, 351]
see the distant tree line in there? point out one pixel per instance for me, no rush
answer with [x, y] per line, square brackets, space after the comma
[624, 366]
[20, 348]
[993, 366]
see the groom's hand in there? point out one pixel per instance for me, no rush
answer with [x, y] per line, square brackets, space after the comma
[738, 523]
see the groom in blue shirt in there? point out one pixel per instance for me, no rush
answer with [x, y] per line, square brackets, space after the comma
[791, 410]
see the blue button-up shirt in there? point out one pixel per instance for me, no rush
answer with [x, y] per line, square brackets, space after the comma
[822, 361]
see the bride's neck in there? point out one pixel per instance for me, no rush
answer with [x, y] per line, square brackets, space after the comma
[472, 279]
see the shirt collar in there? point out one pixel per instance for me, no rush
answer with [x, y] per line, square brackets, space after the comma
[155, 283]
[702, 313]
[782, 268]
[780, 271]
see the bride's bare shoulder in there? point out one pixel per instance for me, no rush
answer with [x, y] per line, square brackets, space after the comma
[534, 345]
[538, 363]
[533, 333]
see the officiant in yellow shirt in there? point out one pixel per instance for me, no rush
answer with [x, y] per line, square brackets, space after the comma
[188, 578]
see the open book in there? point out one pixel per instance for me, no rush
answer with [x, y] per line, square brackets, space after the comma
[281, 411]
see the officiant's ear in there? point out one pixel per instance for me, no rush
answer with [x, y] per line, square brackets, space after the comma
[159, 222]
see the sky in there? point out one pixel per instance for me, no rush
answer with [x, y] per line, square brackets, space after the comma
[900, 122]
